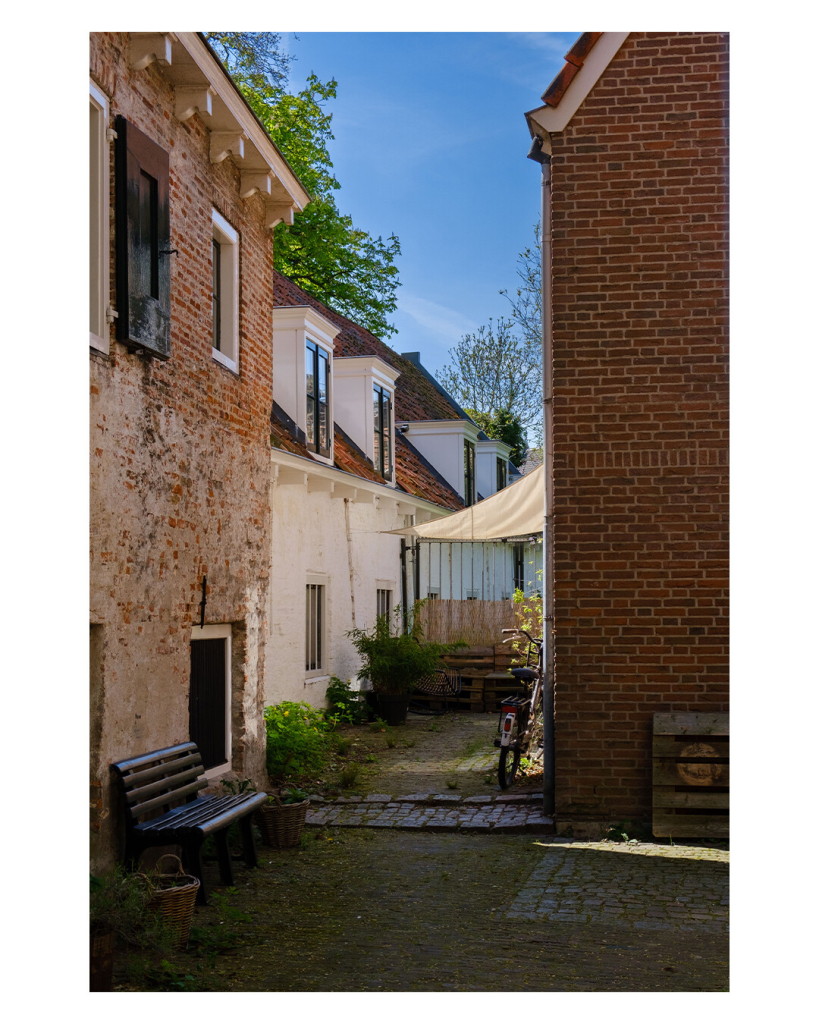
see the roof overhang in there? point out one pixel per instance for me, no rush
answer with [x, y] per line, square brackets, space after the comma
[289, 469]
[203, 87]
[555, 117]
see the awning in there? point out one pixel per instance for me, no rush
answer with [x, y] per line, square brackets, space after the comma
[515, 511]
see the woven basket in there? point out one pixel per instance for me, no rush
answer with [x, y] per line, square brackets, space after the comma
[281, 824]
[174, 894]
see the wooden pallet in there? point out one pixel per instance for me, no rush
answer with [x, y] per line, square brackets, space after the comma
[690, 776]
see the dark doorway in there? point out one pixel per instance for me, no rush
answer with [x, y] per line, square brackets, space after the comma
[208, 700]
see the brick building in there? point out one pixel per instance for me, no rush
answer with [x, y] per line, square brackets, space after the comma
[636, 125]
[186, 188]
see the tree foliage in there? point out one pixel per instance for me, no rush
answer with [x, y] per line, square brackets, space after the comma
[505, 426]
[527, 303]
[322, 251]
[494, 370]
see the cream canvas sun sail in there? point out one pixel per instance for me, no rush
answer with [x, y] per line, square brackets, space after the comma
[515, 511]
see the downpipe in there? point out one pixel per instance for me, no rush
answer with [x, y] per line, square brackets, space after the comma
[541, 152]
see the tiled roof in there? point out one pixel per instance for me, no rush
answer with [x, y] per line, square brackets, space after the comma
[574, 62]
[349, 457]
[416, 397]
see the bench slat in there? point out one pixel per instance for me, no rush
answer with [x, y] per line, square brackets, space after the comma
[207, 814]
[165, 769]
[168, 786]
[168, 798]
[134, 763]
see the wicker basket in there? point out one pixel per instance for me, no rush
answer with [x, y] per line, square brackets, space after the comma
[174, 894]
[281, 824]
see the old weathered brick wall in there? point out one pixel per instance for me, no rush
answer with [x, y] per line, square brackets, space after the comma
[641, 413]
[180, 457]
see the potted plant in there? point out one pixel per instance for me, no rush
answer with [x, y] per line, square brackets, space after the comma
[395, 661]
[281, 819]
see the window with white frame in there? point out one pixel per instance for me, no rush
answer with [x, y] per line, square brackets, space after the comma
[316, 615]
[383, 602]
[99, 220]
[225, 293]
[501, 474]
[317, 382]
[382, 430]
[469, 473]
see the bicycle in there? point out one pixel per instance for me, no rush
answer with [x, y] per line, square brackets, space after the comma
[521, 717]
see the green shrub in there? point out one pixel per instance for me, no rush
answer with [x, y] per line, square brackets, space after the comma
[344, 703]
[297, 740]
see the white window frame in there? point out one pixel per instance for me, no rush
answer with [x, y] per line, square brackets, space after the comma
[228, 239]
[219, 632]
[322, 672]
[99, 216]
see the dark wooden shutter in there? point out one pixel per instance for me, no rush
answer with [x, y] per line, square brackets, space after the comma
[208, 723]
[143, 241]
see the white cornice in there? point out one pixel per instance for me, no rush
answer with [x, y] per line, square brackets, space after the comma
[288, 468]
[366, 366]
[555, 119]
[204, 88]
[305, 318]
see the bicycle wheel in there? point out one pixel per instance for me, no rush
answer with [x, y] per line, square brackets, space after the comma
[509, 762]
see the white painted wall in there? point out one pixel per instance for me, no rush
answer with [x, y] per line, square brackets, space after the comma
[311, 538]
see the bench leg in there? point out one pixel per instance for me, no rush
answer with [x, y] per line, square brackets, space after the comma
[223, 854]
[248, 841]
[192, 857]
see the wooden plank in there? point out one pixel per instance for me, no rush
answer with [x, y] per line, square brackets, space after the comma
[697, 724]
[690, 773]
[690, 826]
[689, 748]
[668, 797]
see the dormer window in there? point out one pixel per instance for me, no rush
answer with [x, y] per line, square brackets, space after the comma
[382, 431]
[302, 371]
[317, 372]
[469, 473]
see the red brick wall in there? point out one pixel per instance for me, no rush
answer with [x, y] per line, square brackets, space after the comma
[180, 463]
[640, 218]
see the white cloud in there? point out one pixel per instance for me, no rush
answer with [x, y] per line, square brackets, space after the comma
[448, 323]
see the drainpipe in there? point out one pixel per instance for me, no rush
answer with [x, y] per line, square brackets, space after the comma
[541, 152]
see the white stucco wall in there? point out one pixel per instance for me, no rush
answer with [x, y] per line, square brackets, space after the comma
[312, 538]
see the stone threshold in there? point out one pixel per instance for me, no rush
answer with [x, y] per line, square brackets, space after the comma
[507, 813]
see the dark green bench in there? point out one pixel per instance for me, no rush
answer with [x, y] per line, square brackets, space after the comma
[163, 807]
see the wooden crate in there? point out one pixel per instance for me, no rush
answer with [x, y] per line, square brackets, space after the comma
[690, 798]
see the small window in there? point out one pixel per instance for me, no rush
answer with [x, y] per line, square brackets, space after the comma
[383, 602]
[382, 427]
[98, 221]
[517, 566]
[317, 373]
[225, 293]
[433, 595]
[315, 628]
[469, 473]
[143, 241]
[501, 482]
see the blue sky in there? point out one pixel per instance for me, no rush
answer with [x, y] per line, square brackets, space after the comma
[430, 144]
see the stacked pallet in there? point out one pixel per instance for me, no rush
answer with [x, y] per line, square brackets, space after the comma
[690, 776]
[474, 663]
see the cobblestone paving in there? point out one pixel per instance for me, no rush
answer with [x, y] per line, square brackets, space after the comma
[642, 885]
[435, 812]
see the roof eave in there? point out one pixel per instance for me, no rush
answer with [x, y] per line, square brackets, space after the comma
[544, 120]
